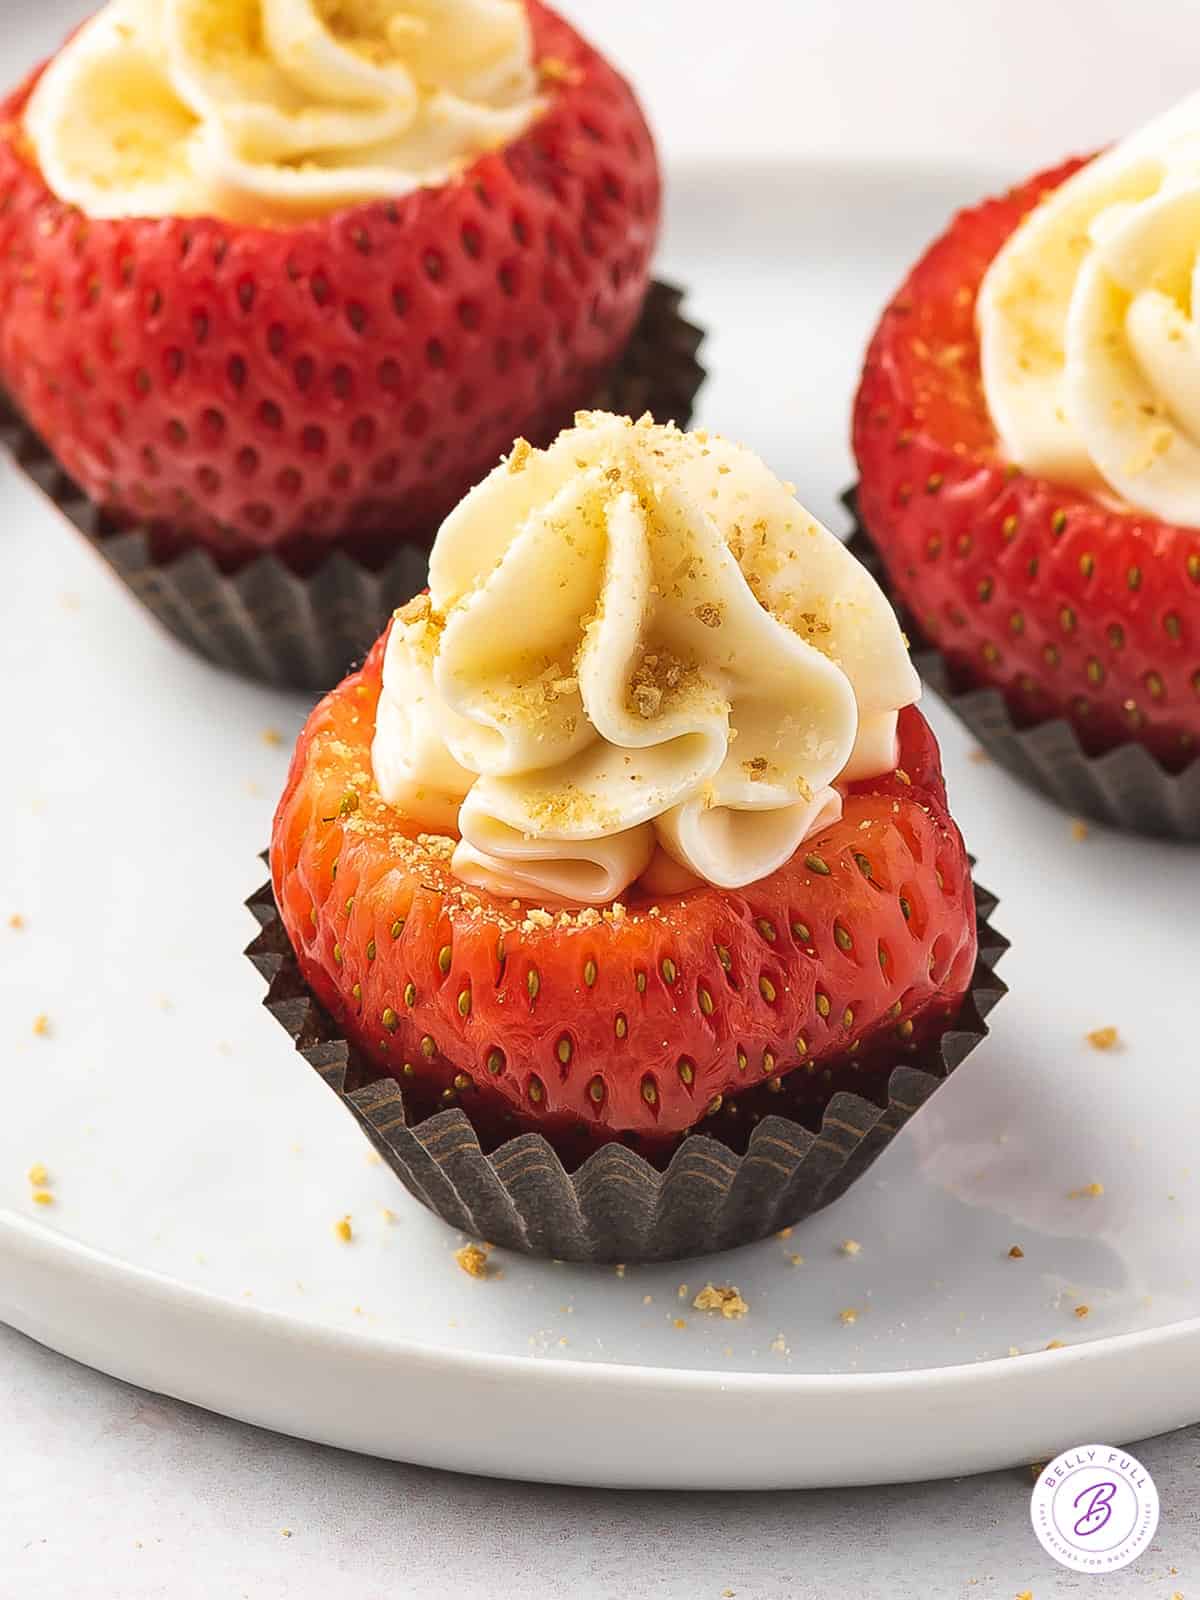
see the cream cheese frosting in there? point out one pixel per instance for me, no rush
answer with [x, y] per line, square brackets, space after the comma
[275, 109]
[639, 659]
[1087, 317]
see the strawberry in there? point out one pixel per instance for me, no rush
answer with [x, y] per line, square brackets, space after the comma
[343, 379]
[642, 1018]
[1070, 608]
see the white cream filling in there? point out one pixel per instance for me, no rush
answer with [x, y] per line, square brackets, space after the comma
[640, 658]
[1088, 326]
[275, 109]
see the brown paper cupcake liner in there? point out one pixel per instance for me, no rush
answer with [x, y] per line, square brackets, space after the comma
[618, 1206]
[305, 631]
[1125, 788]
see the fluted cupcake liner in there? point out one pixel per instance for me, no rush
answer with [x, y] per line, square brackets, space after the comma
[1126, 788]
[304, 631]
[619, 1206]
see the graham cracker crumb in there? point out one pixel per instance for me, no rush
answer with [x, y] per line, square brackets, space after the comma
[724, 1298]
[1025, 1594]
[473, 1259]
[1079, 830]
[848, 1316]
[1016, 1253]
[619, 1269]
[1082, 1311]
[1104, 1039]
[1013, 1350]
[784, 1233]
[41, 1025]
[343, 1229]
[272, 736]
[16, 922]
[980, 756]
[780, 1345]
[522, 449]
[285, 1533]
[42, 1197]
[680, 1322]
[647, 1299]
[1056, 1344]
[38, 1176]
[682, 1292]
[797, 1261]
[554, 70]
[388, 1214]
[1090, 1191]
[850, 1247]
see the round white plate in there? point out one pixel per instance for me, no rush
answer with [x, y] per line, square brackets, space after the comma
[199, 1167]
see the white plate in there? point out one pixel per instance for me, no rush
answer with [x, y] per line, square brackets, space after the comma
[199, 1166]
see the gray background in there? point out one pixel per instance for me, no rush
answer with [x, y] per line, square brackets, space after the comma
[115, 1494]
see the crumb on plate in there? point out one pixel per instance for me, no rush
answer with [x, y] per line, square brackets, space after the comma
[1079, 830]
[41, 1025]
[343, 1229]
[850, 1247]
[1104, 1038]
[1016, 1253]
[473, 1259]
[848, 1316]
[723, 1298]
[1090, 1191]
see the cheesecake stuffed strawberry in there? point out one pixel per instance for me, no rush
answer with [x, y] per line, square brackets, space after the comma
[631, 816]
[1028, 442]
[284, 276]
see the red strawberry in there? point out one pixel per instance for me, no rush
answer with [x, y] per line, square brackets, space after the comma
[1071, 609]
[353, 375]
[633, 1022]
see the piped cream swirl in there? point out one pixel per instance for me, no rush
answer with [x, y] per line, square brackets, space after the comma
[267, 110]
[639, 658]
[1089, 323]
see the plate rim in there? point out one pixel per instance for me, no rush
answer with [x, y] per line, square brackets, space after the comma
[50, 1243]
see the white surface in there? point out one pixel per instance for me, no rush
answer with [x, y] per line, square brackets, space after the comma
[199, 1166]
[1015, 82]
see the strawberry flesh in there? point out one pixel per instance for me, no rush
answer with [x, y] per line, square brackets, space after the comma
[633, 1021]
[1070, 608]
[346, 379]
